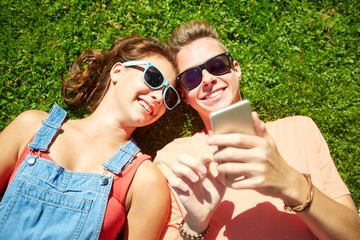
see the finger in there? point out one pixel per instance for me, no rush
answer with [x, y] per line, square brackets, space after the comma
[207, 159]
[179, 185]
[260, 128]
[195, 164]
[233, 140]
[231, 154]
[183, 171]
[240, 169]
[243, 183]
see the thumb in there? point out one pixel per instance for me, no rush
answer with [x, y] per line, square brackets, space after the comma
[260, 128]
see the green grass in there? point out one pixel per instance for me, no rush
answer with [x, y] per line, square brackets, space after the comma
[297, 58]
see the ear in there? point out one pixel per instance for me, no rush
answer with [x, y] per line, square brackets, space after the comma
[182, 92]
[237, 69]
[115, 71]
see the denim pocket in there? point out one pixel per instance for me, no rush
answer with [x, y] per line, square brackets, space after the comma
[44, 213]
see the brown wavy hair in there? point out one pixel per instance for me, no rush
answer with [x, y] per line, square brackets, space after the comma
[89, 75]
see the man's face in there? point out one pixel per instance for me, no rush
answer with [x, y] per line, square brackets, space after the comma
[214, 92]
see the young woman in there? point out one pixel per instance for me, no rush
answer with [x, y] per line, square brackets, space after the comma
[86, 179]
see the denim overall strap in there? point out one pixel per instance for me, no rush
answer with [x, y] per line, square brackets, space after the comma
[122, 157]
[46, 201]
[48, 129]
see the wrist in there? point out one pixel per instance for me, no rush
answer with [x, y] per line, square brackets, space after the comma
[194, 226]
[296, 189]
[187, 233]
[299, 206]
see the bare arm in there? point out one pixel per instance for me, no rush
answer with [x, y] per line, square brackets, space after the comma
[14, 138]
[332, 218]
[149, 200]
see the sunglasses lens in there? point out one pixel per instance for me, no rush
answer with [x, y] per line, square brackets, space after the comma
[218, 65]
[191, 78]
[153, 77]
[171, 98]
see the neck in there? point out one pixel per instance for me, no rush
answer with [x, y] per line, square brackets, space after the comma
[206, 120]
[106, 124]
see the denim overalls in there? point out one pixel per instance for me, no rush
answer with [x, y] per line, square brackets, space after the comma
[46, 201]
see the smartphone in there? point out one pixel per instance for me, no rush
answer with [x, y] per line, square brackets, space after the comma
[235, 118]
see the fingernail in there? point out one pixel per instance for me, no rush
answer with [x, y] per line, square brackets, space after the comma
[203, 170]
[210, 140]
[184, 188]
[194, 178]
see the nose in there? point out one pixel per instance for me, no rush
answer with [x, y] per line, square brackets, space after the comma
[157, 95]
[207, 78]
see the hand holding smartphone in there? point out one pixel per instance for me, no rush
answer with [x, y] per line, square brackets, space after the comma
[235, 118]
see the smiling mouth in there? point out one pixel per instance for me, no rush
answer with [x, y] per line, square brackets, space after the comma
[145, 106]
[214, 94]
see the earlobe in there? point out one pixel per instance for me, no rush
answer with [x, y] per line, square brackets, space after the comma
[114, 72]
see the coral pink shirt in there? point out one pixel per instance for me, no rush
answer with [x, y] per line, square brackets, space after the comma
[115, 214]
[247, 214]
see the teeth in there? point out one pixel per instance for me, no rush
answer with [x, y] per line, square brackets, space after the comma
[145, 105]
[214, 94]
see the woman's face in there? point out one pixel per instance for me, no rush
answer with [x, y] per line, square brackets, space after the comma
[140, 105]
[214, 92]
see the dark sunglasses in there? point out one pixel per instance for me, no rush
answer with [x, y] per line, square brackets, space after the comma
[218, 65]
[154, 79]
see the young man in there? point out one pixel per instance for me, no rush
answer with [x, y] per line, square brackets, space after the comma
[287, 185]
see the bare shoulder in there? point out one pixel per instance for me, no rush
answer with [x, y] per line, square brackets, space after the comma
[30, 121]
[149, 174]
[14, 138]
[24, 125]
[32, 116]
[149, 180]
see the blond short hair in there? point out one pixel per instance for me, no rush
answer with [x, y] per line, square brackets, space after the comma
[191, 31]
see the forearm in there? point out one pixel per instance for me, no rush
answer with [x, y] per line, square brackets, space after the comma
[330, 219]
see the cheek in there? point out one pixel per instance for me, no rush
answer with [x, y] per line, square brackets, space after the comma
[236, 87]
[137, 86]
[190, 97]
[161, 112]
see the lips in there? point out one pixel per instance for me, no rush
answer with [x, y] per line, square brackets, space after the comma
[146, 106]
[213, 94]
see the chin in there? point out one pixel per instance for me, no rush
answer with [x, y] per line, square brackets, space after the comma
[221, 105]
